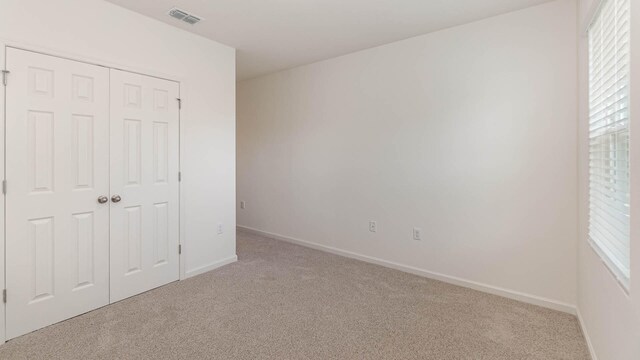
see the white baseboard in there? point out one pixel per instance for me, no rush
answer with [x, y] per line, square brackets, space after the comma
[212, 266]
[515, 295]
[592, 352]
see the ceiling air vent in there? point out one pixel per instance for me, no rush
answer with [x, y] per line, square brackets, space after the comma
[184, 16]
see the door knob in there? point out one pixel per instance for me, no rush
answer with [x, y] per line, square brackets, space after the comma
[103, 199]
[116, 198]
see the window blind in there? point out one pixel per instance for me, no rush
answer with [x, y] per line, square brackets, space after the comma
[609, 96]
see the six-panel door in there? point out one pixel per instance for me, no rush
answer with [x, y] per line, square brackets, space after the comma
[57, 165]
[74, 148]
[144, 176]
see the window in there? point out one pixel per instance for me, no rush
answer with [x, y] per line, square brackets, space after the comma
[609, 136]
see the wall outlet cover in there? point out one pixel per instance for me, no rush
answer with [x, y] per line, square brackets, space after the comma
[417, 233]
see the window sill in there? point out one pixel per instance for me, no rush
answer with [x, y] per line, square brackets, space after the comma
[622, 280]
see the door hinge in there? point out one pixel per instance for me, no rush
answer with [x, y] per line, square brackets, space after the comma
[179, 175]
[179, 103]
[5, 77]
[179, 249]
[4, 296]
[4, 187]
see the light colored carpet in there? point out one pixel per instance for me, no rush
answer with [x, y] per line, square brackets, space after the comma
[282, 301]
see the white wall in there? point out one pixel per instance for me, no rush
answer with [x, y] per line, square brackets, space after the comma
[468, 133]
[610, 316]
[108, 34]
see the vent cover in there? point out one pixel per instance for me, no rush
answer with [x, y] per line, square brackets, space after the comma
[191, 19]
[184, 16]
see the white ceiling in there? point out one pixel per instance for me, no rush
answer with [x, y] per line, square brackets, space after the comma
[272, 35]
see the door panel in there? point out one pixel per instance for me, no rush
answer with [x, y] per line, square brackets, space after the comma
[144, 173]
[57, 165]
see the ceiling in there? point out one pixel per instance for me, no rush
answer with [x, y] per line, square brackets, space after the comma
[272, 35]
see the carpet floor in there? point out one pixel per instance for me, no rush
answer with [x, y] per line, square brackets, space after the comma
[283, 301]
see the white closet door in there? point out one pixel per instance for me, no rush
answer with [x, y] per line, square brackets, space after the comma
[144, 183]
[57, 165]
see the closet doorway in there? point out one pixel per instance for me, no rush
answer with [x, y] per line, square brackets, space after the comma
[92, 201]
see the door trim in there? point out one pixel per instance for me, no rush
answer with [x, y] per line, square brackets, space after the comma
[182, 116]
[3, 283]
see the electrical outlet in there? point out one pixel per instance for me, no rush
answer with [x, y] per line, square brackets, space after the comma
[373, 227]
[417, 233]
[219, 229]
[241, 204]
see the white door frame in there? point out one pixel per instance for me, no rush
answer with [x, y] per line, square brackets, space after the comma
[4, 44]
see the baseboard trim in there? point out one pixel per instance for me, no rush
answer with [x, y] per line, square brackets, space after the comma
[212, 266]
[583, 327]
[515, 295]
